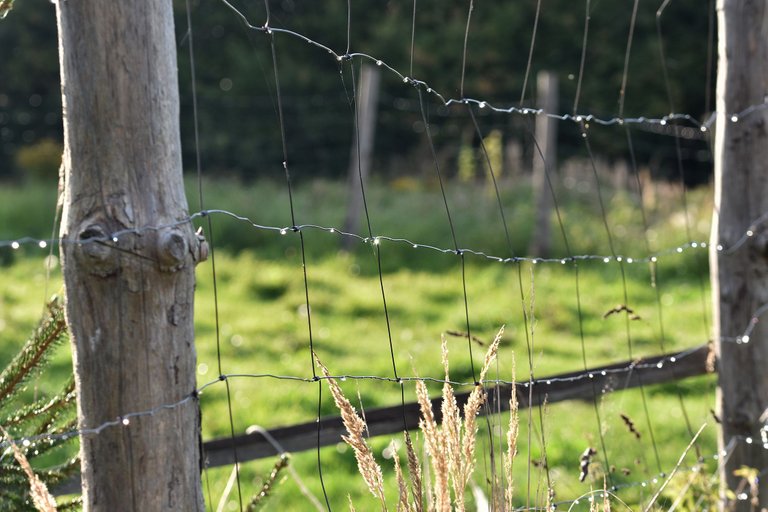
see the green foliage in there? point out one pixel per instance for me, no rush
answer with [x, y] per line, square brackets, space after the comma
[316, 89]
[30, 96]
[22, 416]
[29, 213]
[236, 89]
[40, 161]
[694, 490]
[466, 163]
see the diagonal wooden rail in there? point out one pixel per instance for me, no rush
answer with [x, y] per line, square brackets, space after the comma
[387, 420]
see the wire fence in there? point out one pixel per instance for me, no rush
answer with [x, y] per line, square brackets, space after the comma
[631, 461]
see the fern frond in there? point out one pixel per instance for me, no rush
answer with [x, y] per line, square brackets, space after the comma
[46, 417]
[50, 333]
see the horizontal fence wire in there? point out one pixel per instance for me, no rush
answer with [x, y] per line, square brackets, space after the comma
[388, 420]
[113, 238]
[655, 369]
[579, 119]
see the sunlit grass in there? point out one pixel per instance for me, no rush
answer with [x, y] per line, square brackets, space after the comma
[263, 325]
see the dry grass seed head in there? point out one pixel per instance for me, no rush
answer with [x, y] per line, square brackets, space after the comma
[491, 354]
[471, 410]
[41, 498]
[414, 468]
[451, 425]
[366, 462]
[402, 487]
[512, 433]
[436, 445]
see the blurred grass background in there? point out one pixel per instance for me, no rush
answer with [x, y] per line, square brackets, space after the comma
[263, 326]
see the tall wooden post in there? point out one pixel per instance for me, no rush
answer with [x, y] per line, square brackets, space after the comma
[129, 298]
[362, 147]
[739, 273]
[546, 139]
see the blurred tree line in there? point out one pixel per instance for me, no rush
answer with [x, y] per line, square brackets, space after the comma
[237, 98]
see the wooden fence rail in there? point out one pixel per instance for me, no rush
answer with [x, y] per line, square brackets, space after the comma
[396, 418]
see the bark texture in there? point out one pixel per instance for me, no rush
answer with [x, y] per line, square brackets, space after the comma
[129, 301]
[740, 271]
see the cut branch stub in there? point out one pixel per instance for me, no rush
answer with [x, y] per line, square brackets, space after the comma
[201, 248]
[172, 250]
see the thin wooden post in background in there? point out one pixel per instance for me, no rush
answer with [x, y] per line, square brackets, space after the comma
[546, 138]
[362, 149]
[739, 272]
[129, 298]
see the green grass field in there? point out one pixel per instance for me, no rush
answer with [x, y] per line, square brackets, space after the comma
[263, 328]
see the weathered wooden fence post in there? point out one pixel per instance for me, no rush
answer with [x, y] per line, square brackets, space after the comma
[739, 273]
[129, 298]
[546, 138]
[362, 148]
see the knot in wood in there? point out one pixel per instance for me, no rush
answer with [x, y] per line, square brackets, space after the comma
[94, 251]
